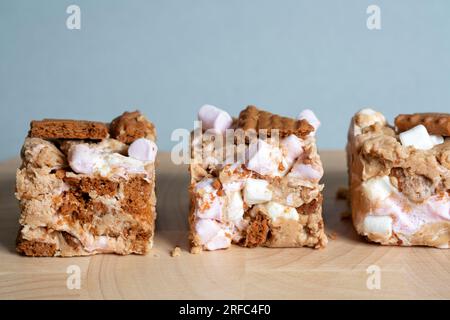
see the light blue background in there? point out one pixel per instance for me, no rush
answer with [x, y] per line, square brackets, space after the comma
[167, 58]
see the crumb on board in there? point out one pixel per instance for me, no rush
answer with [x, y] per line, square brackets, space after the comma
[196, 250]
[342, 193]
[332, 235]
[176, 252]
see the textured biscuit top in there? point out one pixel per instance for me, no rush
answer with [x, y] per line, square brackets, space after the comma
[131, 126]
[436, 123]
[68, 129]
[254, 119]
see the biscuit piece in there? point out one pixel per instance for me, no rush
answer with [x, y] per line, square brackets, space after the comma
[399, 195]
[68, 129]
[106, 205]
[436, 123]
[131, 126]
[254, 119]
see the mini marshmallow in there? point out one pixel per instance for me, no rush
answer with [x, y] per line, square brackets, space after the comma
[276, 210]
[380, 225]
[378, 189]
[220, 241]
[309, 116]
[143, 149]
[210, 207]
[205, 185]
[417, 137]
[365, 118]
[82, 158]
[207, 229]
[214, 118]
[367, 112]
[212, 234]
[232, 186]
[264, 158]
[371, 117]
[256, 191]
[88, 160]
[209, 204]
[292, 147]
[109, 163]
[234, 209]
[305, 171]
[436, 139]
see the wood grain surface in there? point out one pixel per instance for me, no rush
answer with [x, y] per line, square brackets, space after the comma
[337, 272]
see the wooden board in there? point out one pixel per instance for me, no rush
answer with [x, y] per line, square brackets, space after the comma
[337, 272]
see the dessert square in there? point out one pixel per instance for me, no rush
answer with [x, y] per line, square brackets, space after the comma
[400, 178]
[255, 181]
[87, 187]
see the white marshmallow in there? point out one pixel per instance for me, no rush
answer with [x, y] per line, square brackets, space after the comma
[256, 191]
[436, 139]
[88, 160]
[367, 112]
[110, 163]
[234, 209]
[214, 118]
[305, 171]
[143, 149]
[232, 186]
[209, 205]
[264, 158]
[370, 117]
[207, 229]
[380, 225]
[292, 147]
[276, 210]
[82, 158]
[417, 137]
[220, 241]
[309, 116]
[210, 208]
[378, 189]
[212, 234]
[204, 186]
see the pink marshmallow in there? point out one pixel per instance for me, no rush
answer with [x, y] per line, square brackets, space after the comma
[82, 158]
[213, 207]
[204, 185]
[293, 147]
[220, 241]
[306, 171]
[143, 149]
[214, 118]
[207, 229]
[264, 158]
[407, 220]
[212, 234]
[309, 116]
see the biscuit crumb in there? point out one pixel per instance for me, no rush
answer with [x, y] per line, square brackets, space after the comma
[332, 235]
[196, 250]
[342, 193]
[176, 252]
